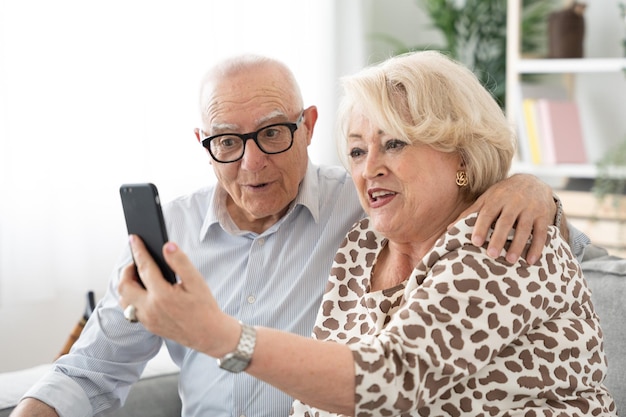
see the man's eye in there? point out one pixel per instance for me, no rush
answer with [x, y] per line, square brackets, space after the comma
[278, 132]
[271, 133]
[228, 141]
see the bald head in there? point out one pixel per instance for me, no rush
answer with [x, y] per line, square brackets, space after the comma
[255, 68]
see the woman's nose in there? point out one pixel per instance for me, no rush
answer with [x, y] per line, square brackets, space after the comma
[374, 165]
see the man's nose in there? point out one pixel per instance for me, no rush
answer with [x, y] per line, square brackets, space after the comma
[253, 157]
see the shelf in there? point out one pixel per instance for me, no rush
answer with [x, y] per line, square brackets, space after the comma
[565, 170]
[579, 74]
[556, 171]
[581, 65]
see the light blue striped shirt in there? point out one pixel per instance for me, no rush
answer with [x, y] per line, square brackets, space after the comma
[274, 279]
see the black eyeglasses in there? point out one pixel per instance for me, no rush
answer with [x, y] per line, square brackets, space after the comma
[272, 139]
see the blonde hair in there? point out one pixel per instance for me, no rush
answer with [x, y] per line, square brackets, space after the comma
[426, 97]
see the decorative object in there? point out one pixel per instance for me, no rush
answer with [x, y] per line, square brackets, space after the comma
[566, 32]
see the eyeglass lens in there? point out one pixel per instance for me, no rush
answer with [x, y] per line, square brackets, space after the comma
[271, 139]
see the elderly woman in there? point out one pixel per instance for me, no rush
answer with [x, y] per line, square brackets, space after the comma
[415, 320]
[435, 326]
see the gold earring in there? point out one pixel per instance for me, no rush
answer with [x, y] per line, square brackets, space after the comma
[461, 179]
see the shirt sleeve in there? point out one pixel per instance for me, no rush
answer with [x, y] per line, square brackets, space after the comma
[63, 394]
[578, 241]
[108, 357]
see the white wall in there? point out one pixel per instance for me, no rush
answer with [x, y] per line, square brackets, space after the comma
[93, 95]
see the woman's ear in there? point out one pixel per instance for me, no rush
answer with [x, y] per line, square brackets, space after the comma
[197, 133]
[461, 162]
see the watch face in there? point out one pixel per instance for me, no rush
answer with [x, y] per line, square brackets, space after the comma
[233, 363]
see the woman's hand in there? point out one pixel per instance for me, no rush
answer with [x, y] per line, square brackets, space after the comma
[185, 312]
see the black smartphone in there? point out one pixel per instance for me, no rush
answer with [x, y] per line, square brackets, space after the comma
[144, 218]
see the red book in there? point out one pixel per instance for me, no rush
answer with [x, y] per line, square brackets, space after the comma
[561, 132]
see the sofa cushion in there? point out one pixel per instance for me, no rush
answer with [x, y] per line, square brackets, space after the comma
[606, 276]
[156, 396]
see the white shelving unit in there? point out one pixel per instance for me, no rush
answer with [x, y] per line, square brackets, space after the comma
[517, 66]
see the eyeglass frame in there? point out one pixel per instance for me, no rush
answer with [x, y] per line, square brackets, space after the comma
[292, 126]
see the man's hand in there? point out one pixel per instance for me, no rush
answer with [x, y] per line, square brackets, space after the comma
[185, 312]
[521, 201]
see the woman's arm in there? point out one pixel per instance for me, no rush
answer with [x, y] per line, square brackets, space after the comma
[319, 373]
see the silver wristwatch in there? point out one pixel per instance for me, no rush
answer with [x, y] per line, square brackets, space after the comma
[239, 359]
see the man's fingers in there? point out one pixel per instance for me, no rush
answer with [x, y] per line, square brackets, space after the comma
[182, 266]
[540, 236]
[129, 288]
[483, 223]
[147, 268]
[523, 232]
[500, 235]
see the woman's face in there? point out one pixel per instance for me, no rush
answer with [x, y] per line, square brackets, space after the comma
[408, 190]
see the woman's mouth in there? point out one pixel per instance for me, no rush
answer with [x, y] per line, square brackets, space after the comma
[380, 197]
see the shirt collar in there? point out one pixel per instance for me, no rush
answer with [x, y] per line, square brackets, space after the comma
[307, 197]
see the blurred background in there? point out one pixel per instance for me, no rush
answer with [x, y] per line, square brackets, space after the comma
[96, 94]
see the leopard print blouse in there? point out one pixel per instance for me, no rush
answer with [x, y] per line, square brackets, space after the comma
[465, 334]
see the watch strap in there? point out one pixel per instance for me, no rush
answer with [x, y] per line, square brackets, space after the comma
[239, 359]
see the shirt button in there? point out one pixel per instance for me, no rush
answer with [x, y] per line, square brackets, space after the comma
[251, 299]
[261, 241]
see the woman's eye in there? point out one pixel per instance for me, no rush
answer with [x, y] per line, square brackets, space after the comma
[356, 152]
[395, 144]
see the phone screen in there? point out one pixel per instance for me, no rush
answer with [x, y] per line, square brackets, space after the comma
[144, 217]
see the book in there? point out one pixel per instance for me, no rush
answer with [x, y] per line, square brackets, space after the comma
[531, 130]
[560, 132]
[546, 141]
[528, 127]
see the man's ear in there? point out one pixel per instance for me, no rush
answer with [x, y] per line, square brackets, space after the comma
[310, 118]
[196, 132]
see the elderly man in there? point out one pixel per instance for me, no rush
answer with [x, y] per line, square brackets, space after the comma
[263, 238]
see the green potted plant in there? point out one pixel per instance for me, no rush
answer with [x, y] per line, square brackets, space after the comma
[474, 33]
[610, 178]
